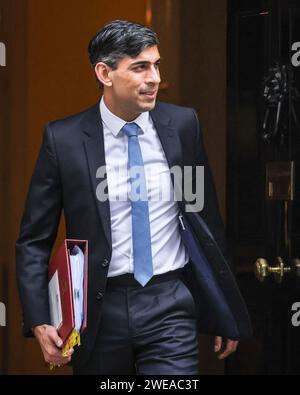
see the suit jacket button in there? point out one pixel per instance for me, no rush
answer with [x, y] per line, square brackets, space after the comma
[99, 295]
[104, 263]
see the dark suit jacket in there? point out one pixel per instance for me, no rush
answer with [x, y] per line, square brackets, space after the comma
[65, 179]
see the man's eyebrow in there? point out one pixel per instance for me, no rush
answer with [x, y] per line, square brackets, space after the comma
[141, 62]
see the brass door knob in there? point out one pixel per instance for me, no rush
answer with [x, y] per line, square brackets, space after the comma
[262, 269]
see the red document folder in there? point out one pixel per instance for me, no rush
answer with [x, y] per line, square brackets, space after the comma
[60, 267]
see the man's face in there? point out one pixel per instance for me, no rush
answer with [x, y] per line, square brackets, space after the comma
[134, 84]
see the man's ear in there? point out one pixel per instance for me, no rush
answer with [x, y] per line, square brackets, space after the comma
[102, 71]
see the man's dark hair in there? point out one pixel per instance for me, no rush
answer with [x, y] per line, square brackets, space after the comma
[119, 39]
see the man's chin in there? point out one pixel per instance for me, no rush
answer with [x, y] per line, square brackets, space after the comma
[147, 106]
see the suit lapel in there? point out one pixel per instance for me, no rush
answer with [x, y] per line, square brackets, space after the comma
[170, 141]
[94, 148]
[168, 137]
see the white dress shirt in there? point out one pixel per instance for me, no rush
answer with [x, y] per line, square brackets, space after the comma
[168, 251]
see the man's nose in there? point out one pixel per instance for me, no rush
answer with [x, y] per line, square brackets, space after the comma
[154, 75]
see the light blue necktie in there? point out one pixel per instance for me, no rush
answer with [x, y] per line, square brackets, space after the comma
[141, 236]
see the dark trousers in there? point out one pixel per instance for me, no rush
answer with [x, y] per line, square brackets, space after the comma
[147, 330]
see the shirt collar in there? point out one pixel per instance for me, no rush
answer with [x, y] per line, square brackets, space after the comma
[115, 124]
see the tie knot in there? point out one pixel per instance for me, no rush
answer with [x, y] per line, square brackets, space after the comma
[130, 129]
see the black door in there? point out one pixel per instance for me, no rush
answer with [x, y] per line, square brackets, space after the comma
[263, 190]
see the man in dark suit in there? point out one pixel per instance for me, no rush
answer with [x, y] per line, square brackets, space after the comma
[157, 268]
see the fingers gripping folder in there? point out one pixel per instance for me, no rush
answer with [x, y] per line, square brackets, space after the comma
[68, 275]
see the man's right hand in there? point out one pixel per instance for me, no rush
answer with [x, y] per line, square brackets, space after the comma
[51, 344]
